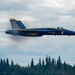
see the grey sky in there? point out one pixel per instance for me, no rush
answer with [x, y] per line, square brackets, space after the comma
[38, 13]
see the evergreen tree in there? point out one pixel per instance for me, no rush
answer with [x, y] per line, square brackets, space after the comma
[43, 63]
[40, 62]
[7, 62]
[4, 64]
[53, 62]
[62, 68]
[65, 66]
[32, 63]
[49, 62]
[12, 66]
[59, 64]
[12, 63]
[1, 65]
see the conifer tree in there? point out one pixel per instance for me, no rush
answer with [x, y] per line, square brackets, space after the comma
[53, 62]
[7, 62]
[12, 65]
[65, 66]
[46, 60]
[40, 62]
[59, 64]
[32, 63]
[49, 62]
[43, 63]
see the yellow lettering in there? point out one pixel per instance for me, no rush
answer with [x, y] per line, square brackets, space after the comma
[31, 34]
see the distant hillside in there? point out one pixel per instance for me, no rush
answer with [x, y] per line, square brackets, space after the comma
[45, 66]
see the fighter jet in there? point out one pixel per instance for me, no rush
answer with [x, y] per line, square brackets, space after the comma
[18, 29]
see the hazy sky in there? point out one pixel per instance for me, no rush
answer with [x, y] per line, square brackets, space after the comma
[38, 13]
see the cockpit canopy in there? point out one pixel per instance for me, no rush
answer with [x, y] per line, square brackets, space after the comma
[60, 28]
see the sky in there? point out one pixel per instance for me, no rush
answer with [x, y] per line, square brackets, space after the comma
[36, 14]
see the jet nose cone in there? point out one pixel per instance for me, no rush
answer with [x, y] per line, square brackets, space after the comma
[7, 32]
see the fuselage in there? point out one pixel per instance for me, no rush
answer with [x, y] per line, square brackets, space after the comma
[35, 32]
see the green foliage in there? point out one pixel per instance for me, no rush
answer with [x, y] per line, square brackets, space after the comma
[32, 63]
[59, 64]
[43, 67]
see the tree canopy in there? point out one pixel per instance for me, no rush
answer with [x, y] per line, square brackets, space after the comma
[45, 66]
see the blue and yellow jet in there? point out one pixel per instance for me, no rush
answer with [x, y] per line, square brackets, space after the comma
[18, 28]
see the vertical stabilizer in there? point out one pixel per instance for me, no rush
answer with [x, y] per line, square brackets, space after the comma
[16, 25]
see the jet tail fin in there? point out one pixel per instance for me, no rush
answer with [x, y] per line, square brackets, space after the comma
[16, 25]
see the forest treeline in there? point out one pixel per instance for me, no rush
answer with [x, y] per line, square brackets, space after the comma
[45, 66]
